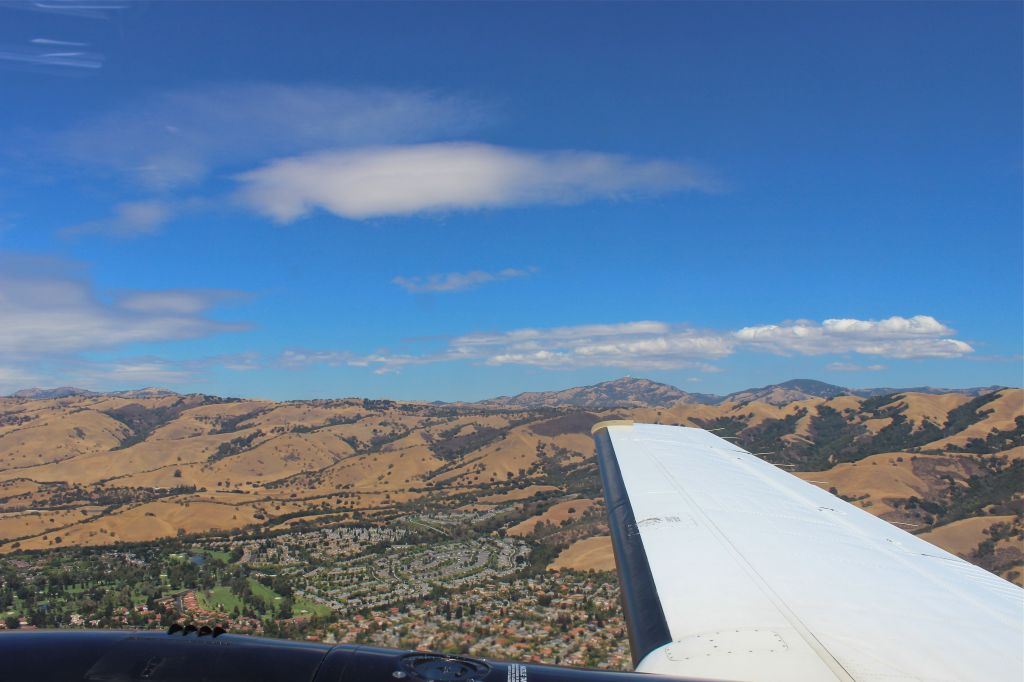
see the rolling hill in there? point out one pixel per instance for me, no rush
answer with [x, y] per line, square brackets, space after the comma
[624, 392]
[97, 469]
[636, 392]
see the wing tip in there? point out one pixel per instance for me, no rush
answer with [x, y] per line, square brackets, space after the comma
[610, 422]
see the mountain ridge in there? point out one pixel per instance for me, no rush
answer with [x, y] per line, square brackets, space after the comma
[109, 469]
[36, 393]
[639, 392]
[625, 391]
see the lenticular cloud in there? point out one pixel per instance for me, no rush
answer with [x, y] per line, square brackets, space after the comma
[404, 180]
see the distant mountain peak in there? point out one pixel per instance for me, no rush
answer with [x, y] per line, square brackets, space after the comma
[629, 391]
[72, 391]
[813, 385]
[148, 392]
[625, 391]
[37, 393]
[788, 391]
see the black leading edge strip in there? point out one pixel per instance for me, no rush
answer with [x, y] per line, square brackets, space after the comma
[645, 618]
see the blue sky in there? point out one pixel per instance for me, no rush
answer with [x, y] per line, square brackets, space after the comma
[455, 201]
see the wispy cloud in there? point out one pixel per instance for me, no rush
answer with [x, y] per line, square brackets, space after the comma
[382, 363]
[58, 43]
[13, 378]
[150, 370]
[644, 345]
[305, 358]
[174, 301]
[355, 153]
[853, 367]
[82, 9]
[447, 176]
[458, 281]
[654, 345]
[133, 371]
[172, 139]
[51, 57]
[129, 219]
[46, 312]
[239, 362]
[57, 56]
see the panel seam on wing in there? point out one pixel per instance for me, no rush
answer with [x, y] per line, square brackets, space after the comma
[805, 633]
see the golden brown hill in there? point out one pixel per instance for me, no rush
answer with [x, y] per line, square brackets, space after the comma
[98, 469]
[590, 554]
[624, 392]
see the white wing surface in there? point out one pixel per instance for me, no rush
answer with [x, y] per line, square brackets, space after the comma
[733, 569]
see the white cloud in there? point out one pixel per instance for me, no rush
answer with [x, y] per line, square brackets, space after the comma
[129, 219]
[239, 362]
[176, 138]
[173, 301]
[133, 372]
[896, 337]
[15, 378]
[60, 43]
[853, 367]
[659, 345]
[457, 281]
[300, 358]
[355, 153]
[643, 345]
[43, 313]
[82, 9]
[651, 345]
[404, 180]
[152, 370]
[124, 372]
[48, 55]
[56, 59]
[382, 363]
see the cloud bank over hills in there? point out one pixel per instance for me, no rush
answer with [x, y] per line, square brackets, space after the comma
[656, 345]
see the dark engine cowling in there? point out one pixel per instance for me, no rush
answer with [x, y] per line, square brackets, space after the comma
[359, 664]
[129, 656]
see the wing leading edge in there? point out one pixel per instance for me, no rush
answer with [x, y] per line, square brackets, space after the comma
[733, 569]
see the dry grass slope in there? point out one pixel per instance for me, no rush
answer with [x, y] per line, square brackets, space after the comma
[99, 469]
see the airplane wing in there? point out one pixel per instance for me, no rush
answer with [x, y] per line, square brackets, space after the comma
[733, 569]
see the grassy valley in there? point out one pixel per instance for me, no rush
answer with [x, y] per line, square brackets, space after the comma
[480, 496]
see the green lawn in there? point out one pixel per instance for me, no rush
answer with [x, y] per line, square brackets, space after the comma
[273, 598]
[312, 607]
[221, 594]
[264, 593]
